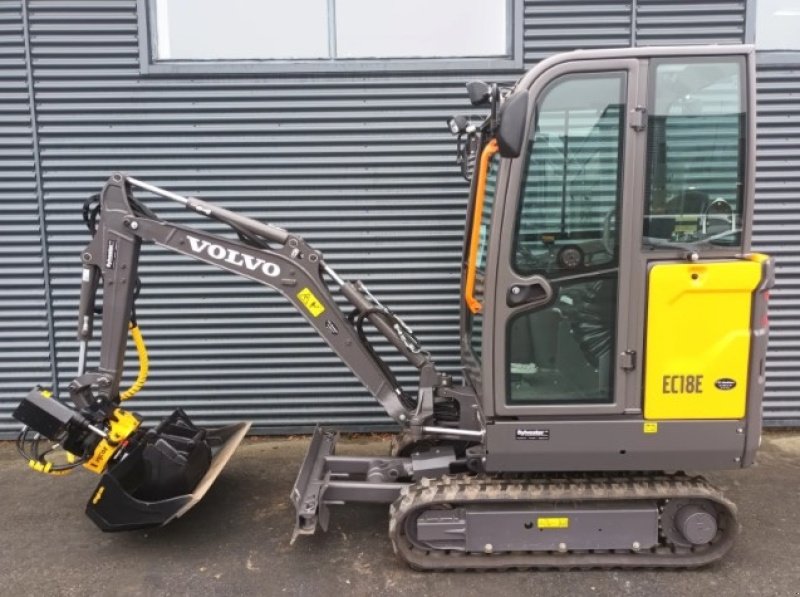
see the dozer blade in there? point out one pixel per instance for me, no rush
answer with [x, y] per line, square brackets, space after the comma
[163, 475]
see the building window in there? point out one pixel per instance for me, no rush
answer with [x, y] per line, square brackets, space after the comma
[240, 30]
[421, 28]
[253, 35]
[778, 25]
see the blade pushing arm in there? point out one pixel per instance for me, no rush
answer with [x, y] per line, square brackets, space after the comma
[263, 253]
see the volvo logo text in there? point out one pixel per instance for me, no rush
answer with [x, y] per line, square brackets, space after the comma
[234, 257]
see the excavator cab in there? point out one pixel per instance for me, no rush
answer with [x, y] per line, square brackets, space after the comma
[609, 284]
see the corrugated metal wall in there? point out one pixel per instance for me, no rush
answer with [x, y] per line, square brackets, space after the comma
[777, 231]
[361, 165]
[668, 22]
[24, 339]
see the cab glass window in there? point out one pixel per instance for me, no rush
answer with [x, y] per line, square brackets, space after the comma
[475, 321]
[567, 218]
[695, 153]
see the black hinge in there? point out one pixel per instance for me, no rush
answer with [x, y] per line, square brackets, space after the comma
[627, 360]
[639, 118]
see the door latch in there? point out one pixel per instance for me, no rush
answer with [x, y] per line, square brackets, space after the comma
[627, 360]
[638, 119]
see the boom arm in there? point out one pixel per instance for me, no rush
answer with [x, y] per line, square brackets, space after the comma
[264, 253]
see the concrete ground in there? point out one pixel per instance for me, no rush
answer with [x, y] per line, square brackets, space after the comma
[236, 541]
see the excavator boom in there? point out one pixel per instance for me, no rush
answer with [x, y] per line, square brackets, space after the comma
[153, 475]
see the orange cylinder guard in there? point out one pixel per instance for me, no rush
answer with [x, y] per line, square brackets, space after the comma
[474, 304]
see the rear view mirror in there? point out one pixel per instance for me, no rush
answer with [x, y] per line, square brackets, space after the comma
[480, 93]
[511, 130]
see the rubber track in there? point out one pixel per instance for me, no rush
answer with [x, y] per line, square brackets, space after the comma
[462, 490]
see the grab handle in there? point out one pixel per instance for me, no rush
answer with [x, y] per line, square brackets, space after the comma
[473, 304]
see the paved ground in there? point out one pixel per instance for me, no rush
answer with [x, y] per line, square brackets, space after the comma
[236, 542]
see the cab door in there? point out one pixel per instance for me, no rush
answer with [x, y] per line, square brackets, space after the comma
[562, 336]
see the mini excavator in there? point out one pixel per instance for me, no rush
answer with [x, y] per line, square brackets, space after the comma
[613, 334]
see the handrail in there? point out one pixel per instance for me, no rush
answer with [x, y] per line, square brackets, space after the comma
[489, 150]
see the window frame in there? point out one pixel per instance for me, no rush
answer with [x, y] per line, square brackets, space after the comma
[149, 65]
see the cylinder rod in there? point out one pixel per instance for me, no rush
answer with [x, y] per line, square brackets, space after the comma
[455, 432]
[267, 231]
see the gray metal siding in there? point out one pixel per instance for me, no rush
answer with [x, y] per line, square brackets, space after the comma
[24, 339]
[777, 232]
[360, 164]
[553, 26]
[671, 22]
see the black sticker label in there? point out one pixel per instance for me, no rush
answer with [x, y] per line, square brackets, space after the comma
[111, 254]
[726, 383]
[536, 434]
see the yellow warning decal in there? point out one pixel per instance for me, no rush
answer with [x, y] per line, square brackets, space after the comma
[311, 302]
[553, 523]
[651, 427]
[98, 495]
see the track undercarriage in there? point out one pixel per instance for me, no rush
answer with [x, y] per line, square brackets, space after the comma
[665, 512]
[472, 521]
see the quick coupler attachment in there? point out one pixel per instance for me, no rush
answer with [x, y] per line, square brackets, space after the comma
[163, 473]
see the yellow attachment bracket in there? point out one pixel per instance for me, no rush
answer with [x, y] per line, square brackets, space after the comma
[144, 363]
[474, 304]
[121, 426]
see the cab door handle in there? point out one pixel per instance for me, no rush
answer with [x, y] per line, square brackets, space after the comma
[535, 291]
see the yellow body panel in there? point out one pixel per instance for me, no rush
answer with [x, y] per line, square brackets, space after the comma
[698, 339]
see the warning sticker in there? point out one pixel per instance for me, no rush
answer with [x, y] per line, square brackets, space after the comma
[651, 427]
[311, 302]
[553, 523]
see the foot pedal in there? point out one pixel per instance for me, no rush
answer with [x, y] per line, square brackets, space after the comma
[163, 474]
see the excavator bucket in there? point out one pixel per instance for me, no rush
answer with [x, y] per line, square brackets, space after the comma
[164, 473]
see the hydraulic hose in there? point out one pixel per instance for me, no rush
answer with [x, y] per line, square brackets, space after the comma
[144, 363]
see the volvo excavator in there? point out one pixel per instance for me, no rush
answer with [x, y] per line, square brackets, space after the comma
[613, 334]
